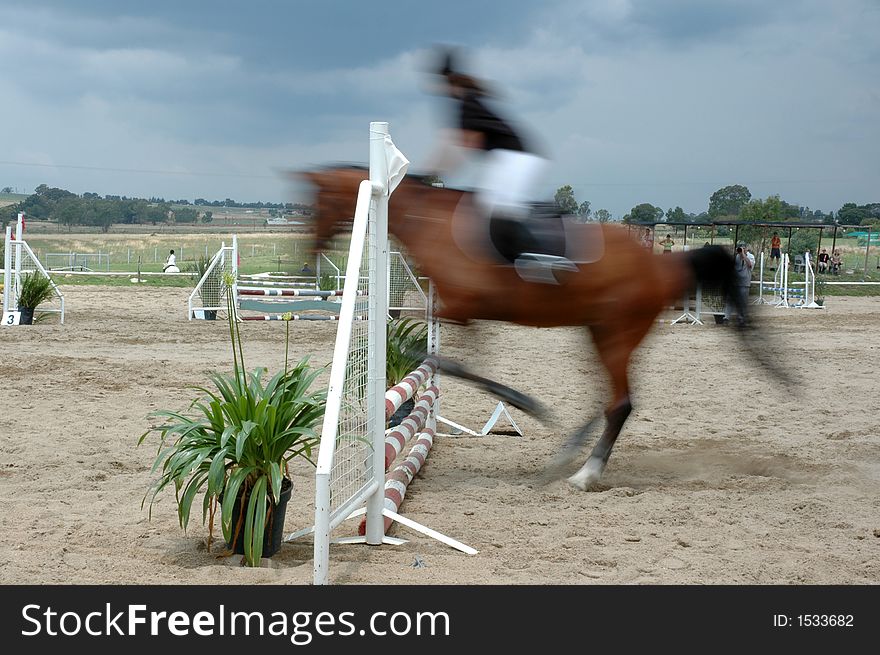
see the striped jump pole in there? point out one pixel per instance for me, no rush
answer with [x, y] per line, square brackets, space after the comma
[302, 293]
[397, 437]
[398, 480]
[407, 387]
[290, 317]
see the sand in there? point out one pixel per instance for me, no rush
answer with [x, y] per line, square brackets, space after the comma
[719, 476]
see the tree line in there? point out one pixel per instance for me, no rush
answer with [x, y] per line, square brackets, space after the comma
[732, 202]
[91, 209]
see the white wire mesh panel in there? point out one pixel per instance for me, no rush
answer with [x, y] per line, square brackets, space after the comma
[405, 291]
[352, 462]
[210, 292]
[712, 301]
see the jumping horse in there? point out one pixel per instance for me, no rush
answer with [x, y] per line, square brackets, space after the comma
[617, 296]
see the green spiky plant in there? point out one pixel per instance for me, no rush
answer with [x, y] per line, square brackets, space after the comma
[235, 443]
[35, 290]
[405, 347]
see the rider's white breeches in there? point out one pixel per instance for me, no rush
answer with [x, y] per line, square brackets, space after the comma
[508, 181]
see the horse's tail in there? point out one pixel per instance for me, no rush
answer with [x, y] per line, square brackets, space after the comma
[715, 270]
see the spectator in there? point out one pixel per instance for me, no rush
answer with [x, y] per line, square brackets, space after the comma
[667, 244]
[648, 239]
[744, 262]
[306, 269]
[775, 250]
[824, 260]
[835, 262]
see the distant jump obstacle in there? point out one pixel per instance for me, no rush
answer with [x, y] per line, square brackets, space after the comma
[20, 260]
[779, 293]
[801, 295]
[280, 297]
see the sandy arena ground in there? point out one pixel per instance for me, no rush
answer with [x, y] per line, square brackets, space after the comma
[719, 477]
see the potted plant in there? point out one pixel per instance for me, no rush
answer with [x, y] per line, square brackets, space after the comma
[233, 447]
[35, 290]
[405, 348]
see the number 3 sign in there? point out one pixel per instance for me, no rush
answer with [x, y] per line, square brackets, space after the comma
[11, 318]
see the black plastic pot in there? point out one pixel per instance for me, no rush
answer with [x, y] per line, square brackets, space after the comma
[273, 536]
[210, 314]
[27, 316]
[402, 412]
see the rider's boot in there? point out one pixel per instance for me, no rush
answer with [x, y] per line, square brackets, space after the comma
[534, 245]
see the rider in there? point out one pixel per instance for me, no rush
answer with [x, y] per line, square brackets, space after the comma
[511, 168]
[171, 261]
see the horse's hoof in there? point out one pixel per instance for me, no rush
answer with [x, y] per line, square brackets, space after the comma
[589, 474]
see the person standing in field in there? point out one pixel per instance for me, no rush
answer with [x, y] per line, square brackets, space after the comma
[775, 250]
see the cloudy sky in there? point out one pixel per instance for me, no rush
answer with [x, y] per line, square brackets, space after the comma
[660, 101]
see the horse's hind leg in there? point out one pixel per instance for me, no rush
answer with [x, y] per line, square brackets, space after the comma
[615, 347]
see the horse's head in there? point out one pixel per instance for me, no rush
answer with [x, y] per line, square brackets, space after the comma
[334, 201]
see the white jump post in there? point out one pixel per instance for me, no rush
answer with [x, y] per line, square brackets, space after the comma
[788, 296]
[378, 315]
[809, 285]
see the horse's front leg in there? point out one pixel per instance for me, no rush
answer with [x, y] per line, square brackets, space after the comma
[591, 472]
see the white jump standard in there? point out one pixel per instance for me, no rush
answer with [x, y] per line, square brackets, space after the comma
[20, 260]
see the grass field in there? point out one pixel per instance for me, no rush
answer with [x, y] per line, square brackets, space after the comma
[258, 252]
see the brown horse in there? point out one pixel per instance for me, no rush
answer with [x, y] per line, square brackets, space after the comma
[617, 297]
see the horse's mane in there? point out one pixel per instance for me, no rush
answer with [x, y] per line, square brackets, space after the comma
[344, 166]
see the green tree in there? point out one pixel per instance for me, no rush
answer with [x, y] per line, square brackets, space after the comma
[729, 201]
[676, 215]
[565, 200]
[852, 214]
[769, 210]
[68, 214]
[207, 217]
[185, 215]
[583, 211]
[6, 189]
[603, 216]
[644, 213]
